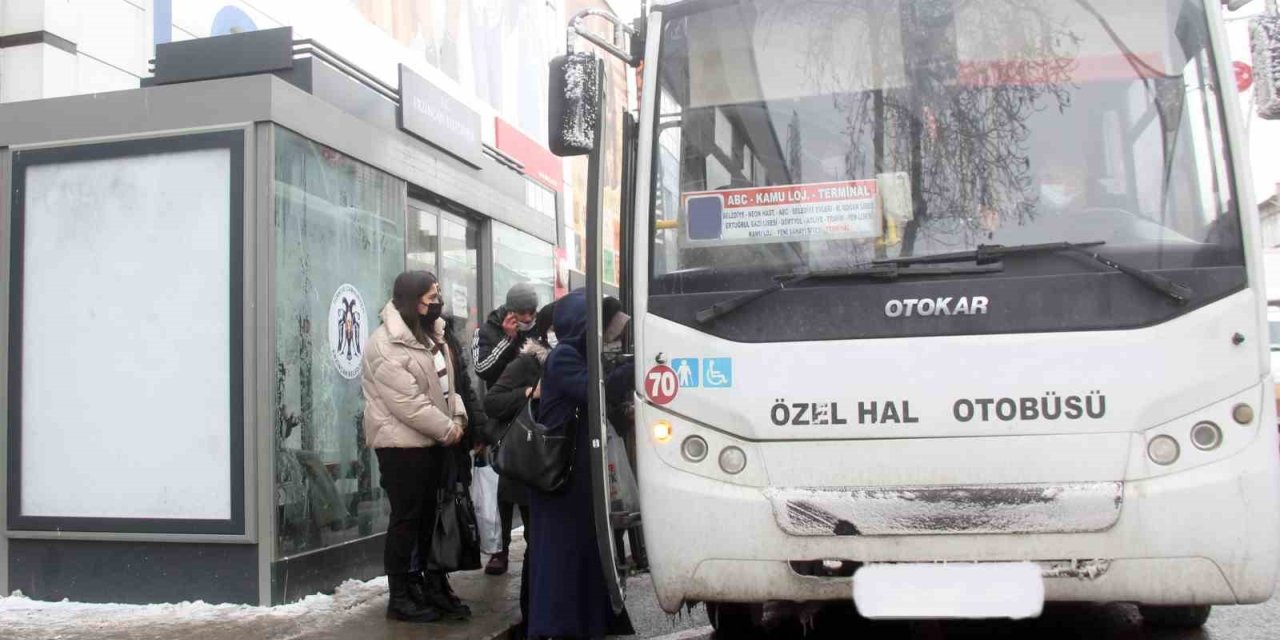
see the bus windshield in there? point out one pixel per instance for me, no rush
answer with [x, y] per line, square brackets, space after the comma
[799, 135]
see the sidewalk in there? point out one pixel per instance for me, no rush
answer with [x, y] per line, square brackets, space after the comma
[494, 602]
[355, 611]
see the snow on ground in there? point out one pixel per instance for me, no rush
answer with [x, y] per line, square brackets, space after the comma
[21, 617]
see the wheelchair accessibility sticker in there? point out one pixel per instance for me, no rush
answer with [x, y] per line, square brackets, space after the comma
[707, 373]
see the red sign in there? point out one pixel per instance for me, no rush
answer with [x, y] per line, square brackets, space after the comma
[661, 384]
[1060, 70]
[1244, 76]
[539, 163]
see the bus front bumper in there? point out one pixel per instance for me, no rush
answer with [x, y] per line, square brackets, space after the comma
[1207, 535]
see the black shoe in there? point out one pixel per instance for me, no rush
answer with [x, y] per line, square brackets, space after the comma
[497, 564]
[441, 596]
[402, 606]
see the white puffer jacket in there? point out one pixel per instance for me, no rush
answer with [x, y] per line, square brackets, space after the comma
[405, 406]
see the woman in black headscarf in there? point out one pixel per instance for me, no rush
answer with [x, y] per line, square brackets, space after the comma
[567, 592]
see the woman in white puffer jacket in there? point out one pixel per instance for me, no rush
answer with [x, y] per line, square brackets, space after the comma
[411, 414]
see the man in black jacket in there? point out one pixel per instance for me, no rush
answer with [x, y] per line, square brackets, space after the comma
[517, 385]
[498, 341]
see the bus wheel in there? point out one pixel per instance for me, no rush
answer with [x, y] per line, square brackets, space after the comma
[1177, 617]
[735, 619]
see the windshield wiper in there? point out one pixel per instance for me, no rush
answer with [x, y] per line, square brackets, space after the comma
[989, 253]
[885, 272]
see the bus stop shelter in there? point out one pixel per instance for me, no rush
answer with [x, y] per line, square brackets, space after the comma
[192, 268]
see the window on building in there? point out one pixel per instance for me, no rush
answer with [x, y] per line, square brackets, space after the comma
[540, 198]
[423, 238]
[520, 257]
[339, 247]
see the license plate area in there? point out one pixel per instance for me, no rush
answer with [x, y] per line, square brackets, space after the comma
[949, 590]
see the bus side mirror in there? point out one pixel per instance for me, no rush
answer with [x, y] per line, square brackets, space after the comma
[1264, 37]
[574, 109]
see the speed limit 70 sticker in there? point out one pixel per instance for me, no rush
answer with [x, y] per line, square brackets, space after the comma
[661, 384]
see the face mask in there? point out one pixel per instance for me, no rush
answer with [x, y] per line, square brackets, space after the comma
[433, 313]
[612, 347]
[551, 339]
[524, 326]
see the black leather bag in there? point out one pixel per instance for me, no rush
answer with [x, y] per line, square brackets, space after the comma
[534, 454]
[455, 542]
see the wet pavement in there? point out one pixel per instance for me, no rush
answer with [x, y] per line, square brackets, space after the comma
[494, 602]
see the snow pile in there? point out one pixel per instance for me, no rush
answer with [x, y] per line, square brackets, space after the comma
[1078, 569]
[21, 617]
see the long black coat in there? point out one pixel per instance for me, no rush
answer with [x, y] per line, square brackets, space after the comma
[506, 398]
[567, 595]
[475, 414]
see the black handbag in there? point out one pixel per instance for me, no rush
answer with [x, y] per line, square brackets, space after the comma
[534, 454]
[455, 541]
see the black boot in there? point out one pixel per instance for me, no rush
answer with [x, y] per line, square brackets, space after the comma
[402, 606]
[441, 596]
[418, 589]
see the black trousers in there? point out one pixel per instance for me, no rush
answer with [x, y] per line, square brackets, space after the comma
[506, 511]
[411, 478]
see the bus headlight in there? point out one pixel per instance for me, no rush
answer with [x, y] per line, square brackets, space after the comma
[1163, 450]
[1206, 436]
[733, 460]
[1242, 413]
[694, 449]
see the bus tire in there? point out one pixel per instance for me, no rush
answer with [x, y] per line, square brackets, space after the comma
[1175, 617]
[735, 619]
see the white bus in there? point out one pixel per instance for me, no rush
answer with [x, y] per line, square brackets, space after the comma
[950, 307]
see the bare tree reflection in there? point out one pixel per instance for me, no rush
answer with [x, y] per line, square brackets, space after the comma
[960, 128]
